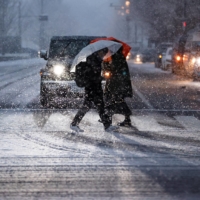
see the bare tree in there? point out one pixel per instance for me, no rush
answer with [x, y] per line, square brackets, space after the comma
[165, 17]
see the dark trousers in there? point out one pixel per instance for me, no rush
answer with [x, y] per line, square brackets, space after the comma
[116, 104]
[96, 97]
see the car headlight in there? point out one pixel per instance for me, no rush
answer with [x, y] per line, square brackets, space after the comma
[194, 60]
[58, 69]
[198, 61]
[138, 58]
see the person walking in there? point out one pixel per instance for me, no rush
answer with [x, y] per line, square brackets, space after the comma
[93, 92]
[118, 87]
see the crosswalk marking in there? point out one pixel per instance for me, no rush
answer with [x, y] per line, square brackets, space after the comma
[146, 123]
[58, 121]
[189, 122]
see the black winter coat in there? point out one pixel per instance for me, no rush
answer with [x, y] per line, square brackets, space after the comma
[119, 85]
[93, 86]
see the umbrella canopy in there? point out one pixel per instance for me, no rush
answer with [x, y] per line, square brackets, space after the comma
[113, 47]
[126, 47]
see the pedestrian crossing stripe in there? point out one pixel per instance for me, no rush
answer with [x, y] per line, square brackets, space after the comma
[58, 121]
[146, 123]
[189, 122]
[159, 123]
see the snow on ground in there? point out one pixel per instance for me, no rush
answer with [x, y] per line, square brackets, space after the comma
[42, 133]
[147, 67]
[22, 62]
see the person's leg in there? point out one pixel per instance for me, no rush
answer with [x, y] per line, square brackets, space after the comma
[80, 114]
[104, 117]
[127, 120]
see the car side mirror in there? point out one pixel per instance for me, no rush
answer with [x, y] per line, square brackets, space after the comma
[72, 74]
[43, 54]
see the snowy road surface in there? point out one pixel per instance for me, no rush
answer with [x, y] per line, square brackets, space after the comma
[158, 157]
[40, 158]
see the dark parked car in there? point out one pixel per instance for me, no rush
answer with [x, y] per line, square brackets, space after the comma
[160, 49]
[177, 54]
[186, 54]
[56, 78]
[133, 52]
[147, 55]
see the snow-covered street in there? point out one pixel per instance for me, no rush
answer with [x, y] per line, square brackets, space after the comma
[41, 158]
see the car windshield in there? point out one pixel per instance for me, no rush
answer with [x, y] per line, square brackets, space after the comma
[66, 48]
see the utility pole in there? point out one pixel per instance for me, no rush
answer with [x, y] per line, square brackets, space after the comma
[41, 25]
[135, 32]
[3, 27]
[128, 19]
[184, 8]
[42, 18]
[128, 27]
[184, 22]
[19, 23]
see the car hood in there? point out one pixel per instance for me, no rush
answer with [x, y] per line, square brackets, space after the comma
[67, 62]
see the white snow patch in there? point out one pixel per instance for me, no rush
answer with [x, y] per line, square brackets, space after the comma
[22, 62]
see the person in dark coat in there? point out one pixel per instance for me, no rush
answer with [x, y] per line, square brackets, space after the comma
[93, 92]
[118, 87]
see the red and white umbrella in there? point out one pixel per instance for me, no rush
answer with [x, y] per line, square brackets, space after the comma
[113, 47]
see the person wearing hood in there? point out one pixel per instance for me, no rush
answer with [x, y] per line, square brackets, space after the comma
[118, 87]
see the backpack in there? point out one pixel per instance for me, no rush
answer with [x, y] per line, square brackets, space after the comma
[80, 74]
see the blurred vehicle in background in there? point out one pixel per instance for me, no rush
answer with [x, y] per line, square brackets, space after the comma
[177, 55]
[186, 54]
[191, 54]
[147, 55]
[196, 75]
[138, 57]
[56, 78]
[160, 49]
[167, 59]
[132, 53]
